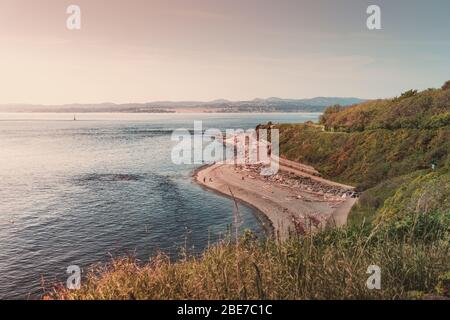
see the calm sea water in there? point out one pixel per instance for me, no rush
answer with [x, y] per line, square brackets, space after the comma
[79, 192]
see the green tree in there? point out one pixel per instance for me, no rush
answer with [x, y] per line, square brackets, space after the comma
[408, 94]
[446, 85]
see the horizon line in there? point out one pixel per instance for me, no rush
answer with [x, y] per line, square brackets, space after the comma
[183, 101]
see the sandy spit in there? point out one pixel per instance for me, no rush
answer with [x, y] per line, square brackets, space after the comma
[296, 200]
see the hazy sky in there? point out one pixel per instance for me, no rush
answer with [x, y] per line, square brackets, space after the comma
[146, 50]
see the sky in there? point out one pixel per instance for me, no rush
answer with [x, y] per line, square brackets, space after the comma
[180, 50]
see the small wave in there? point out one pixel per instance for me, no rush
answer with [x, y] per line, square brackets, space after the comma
[110, 177]
[148, 131]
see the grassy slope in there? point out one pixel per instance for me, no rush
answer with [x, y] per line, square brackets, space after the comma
[385, 148]
[429, 109]
[329, 265]
[401, 222]
[365, 158]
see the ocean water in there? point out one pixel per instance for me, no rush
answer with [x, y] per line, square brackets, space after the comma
[81, 192]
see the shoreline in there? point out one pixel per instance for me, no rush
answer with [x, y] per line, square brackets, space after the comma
[262, 218]
[281, 204]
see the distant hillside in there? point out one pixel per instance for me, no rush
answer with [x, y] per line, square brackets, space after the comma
[318, 104]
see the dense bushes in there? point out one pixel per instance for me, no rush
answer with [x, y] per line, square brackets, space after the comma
[446, 85]
[427, 193]
[386, 148]
[412, 110]
[372, 200]
[329, 265]
[365, 158]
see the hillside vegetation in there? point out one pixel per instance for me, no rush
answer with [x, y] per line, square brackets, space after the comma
[332, 264]
[429, 109]
[397, 153]
[366, 158]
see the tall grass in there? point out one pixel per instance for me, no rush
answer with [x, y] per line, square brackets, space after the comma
[331, 264]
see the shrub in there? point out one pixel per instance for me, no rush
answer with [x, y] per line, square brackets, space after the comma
[446, 85]
[329, 265]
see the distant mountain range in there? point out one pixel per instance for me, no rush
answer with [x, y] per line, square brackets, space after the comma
[317, 104]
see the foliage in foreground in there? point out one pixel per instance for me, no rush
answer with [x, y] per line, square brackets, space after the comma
[331, 264]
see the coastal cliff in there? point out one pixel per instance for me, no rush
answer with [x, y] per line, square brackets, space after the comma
[395, 151]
